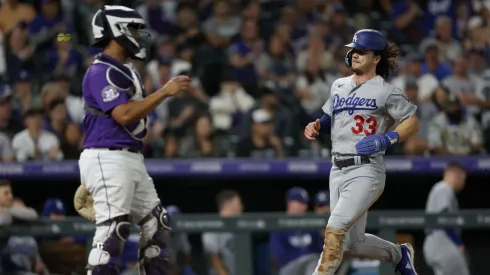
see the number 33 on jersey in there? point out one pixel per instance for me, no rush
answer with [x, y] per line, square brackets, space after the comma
[372, 107]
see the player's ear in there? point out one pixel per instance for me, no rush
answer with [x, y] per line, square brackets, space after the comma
[377, 59]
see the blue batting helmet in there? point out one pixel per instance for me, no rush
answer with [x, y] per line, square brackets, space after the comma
[366, 39]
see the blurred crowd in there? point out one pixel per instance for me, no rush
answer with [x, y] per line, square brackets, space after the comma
[261, 71]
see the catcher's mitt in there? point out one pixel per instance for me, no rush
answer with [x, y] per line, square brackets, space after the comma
[84, 203]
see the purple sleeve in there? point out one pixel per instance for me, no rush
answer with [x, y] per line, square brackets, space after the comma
[325, 123]
[109, 88]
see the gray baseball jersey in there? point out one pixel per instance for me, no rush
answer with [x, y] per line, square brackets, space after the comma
[357, 111]
[221, 244]
[369, 108]
[440, 251]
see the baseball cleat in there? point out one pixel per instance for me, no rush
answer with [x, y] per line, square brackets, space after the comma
[406, 265]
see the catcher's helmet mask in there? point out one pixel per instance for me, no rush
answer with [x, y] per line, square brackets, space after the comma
[115, 23]
[367, 40]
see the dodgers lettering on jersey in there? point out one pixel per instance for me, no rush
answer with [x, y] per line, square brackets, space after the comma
[287, 246]
[357, 111]
[107, 84]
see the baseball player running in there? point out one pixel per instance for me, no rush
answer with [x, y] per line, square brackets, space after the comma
[111, 167]
[443, 248]
[359, 113]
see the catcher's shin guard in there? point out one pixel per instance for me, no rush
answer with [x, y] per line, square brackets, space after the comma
[153, 257]
[104, 256]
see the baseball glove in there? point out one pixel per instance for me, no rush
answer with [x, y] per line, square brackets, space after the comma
[84, 203]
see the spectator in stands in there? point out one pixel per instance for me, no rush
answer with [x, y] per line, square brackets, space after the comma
[453, 131]
[270, 101]
[20, 51]
[312, 90]
[6, 152]
[10, 119]
[340, 22]
[162, 75]
[251, 11]
[418, 145]
[476, 62]
[322, 202]
[222, 26]
[277, 67]
[463, 84]
[203, 143]
[160, 16]
[22, 84]
[83, 14]
[340, 70]
[187, 32]
[314, 50]
[12, 12]
[171, 142]
[46, 26]
[184, 109]
[432, 63]
[34, 143]
[220, 246]
[63, 59]
[242, 55]
[449, 48]
[68, 133]
[407, 15]
[262, 143]
[426, 83]
[230, 105]
[74, 104]
[296, 252]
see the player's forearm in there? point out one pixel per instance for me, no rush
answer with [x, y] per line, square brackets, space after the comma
[218, 265]
[407, 128]
[134, 111]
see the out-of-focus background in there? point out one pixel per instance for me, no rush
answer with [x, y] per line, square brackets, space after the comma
[261, 71]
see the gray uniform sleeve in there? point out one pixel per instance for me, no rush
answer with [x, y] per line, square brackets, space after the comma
[5, 218]
[26, 214]
[398, 106]
[210, 243]
[440, 201]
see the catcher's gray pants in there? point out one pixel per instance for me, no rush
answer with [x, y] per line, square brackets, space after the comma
[443, 256]
[304, 265]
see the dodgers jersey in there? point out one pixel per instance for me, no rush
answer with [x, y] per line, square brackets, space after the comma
[369, 108]
[107, 84]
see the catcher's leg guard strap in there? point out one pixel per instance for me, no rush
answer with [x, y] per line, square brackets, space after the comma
[155, 228]
[332, 251]
[109, 241]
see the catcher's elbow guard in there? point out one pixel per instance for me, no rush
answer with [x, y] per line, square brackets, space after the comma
[84, 203]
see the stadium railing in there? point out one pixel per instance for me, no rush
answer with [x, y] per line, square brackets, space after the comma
[385, 222]
[245, 167]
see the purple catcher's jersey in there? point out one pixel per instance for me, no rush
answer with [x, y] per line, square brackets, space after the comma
[107, 84]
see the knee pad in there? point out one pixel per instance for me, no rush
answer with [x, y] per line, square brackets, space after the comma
[104, 256]
[332, 251]
[153, 256]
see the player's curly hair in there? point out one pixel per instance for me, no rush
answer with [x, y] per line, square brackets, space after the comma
[388, 61]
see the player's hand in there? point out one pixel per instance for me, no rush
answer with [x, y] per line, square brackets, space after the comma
[176, 85]
[371, 145]
[312, 130]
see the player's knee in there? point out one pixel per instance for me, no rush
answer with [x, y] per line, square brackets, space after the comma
[106, 252]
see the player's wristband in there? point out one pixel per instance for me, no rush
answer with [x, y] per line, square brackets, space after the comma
[325, 123]
[391, 138]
